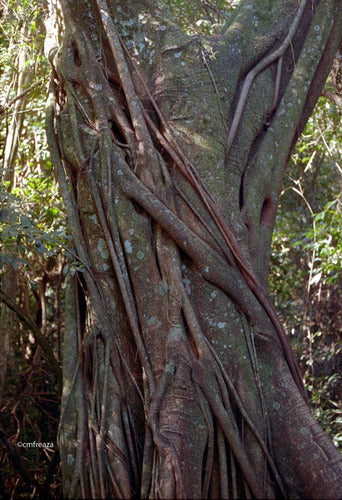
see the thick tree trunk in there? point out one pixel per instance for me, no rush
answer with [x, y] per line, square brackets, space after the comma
[170, 150]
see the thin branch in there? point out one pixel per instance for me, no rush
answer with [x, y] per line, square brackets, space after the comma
[334, 97]
[41, 340]
[277, 84]
[6, 105]
[331, 154]
[15, 460]
[263, 64]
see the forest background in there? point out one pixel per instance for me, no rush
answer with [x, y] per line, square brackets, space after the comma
[36, 255]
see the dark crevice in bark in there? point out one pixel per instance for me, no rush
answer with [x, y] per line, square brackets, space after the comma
[253, 151]
[138, 208]
[117, 133]
[266, 214]
[76, 54]
[241, 193]
[155, 250]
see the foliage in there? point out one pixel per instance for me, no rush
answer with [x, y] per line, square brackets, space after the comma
[305, 277]
[31, 222]
[31, 216]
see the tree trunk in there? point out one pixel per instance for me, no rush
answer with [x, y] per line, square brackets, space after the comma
[179, 381]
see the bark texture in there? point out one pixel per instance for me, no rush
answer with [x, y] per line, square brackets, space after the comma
[179, 381]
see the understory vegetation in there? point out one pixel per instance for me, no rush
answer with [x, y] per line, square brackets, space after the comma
[36, 256]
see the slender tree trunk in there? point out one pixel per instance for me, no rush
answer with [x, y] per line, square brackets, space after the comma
[179, 381]
[8, 325]
[20, 83]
